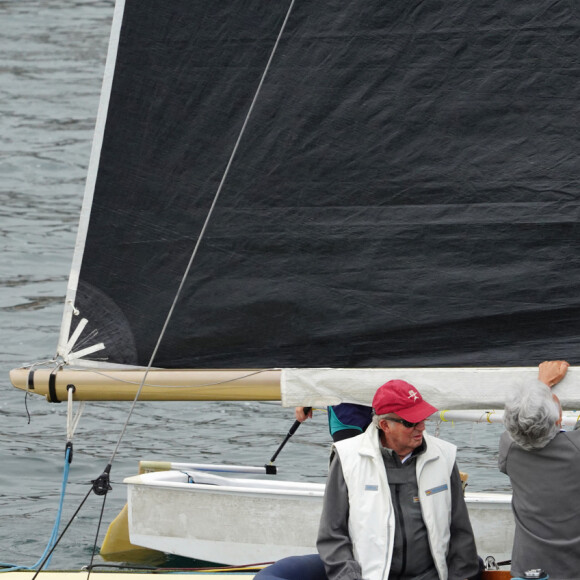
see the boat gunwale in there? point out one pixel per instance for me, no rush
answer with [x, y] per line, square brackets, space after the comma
[166, 479]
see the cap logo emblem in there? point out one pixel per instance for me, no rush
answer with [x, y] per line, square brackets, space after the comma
[413, 395]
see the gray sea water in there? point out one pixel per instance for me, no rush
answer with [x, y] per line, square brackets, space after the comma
[52, 60]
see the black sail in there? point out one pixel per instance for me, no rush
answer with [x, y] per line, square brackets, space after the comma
[405, 193]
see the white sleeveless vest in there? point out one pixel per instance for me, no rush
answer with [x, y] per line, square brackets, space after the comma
[371, 516]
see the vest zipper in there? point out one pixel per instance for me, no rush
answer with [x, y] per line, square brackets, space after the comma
[403, 531]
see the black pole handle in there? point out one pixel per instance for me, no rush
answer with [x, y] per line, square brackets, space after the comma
[293, 429]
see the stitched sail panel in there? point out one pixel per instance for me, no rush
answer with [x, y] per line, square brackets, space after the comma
[405, 194]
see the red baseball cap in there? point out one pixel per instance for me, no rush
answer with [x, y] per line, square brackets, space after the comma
[403, 399]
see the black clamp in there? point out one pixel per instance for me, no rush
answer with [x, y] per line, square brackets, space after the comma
[69, 449]
[101, 485]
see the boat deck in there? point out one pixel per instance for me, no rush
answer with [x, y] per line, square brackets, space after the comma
[77, 575]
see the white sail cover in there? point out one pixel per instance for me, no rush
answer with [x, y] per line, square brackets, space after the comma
[481, 388]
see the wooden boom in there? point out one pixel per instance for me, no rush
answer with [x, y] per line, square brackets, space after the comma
[161, 385]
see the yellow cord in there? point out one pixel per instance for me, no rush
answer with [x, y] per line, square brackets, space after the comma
[443, 419]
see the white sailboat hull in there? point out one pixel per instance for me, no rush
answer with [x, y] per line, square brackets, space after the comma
[248, 521]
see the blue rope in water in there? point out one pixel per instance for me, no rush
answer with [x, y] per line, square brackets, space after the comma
[54, 535]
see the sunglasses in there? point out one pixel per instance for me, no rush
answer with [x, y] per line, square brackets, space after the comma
[404, 422]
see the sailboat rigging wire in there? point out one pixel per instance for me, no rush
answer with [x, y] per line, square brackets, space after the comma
[100, 486]
[203, 229]
[204, 385]
[52, 541]
[90, 567]
[30, 384]
[48, 556]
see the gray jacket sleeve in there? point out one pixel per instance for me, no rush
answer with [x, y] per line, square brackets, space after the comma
[462, 560]
[334, 545]
[505, 442]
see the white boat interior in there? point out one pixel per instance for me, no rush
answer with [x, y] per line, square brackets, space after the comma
[242, 521]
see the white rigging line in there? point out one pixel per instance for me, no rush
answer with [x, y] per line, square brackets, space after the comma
[205, 225]
[72, 420]
[170, 386]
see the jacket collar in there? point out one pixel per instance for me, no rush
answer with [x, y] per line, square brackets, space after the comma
[371, 444]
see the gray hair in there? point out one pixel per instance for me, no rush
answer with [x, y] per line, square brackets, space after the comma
[378, 418]
[530, 415]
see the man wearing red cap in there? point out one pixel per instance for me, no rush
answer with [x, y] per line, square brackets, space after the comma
[393, 506]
